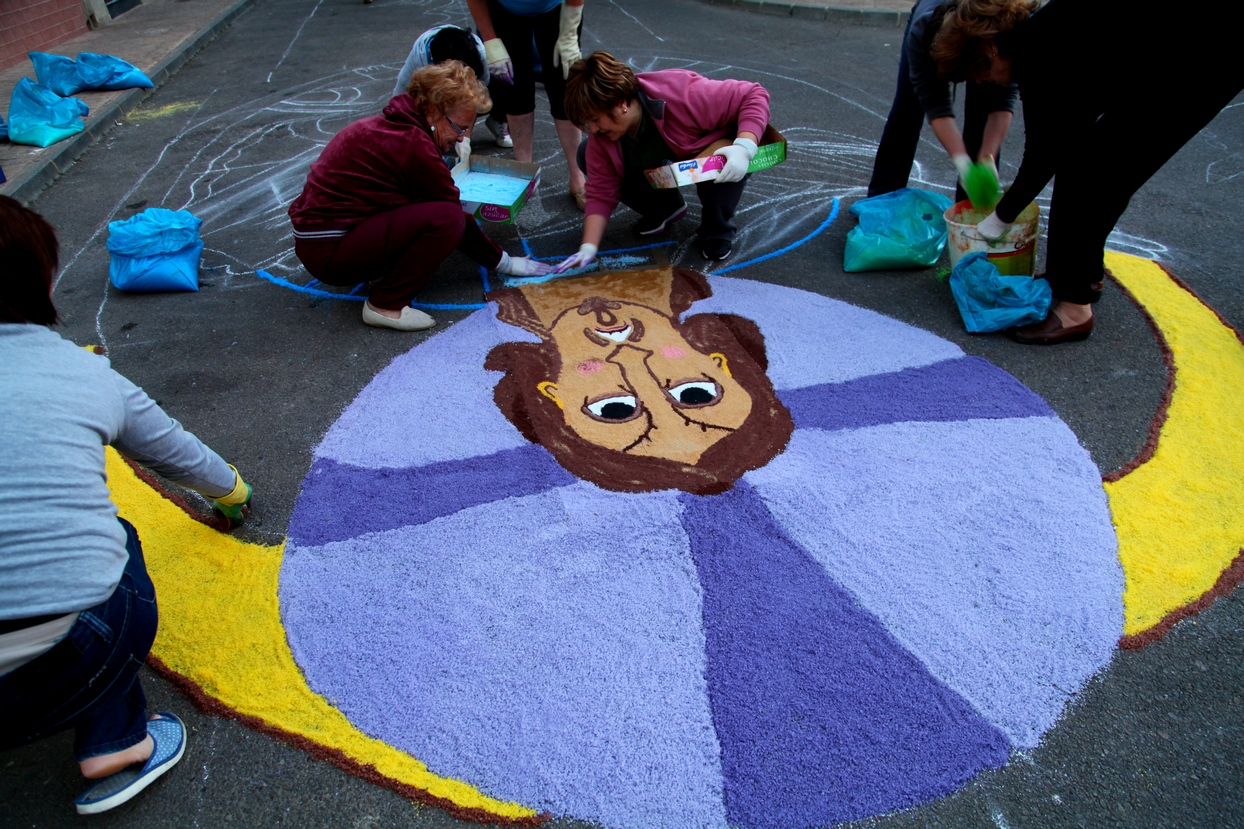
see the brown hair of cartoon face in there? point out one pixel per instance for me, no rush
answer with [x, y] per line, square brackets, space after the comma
[628, 397]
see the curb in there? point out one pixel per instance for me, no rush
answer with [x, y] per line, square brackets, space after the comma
[26, 186]
[850, 16]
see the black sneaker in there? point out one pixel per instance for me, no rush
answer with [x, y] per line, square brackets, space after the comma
[716, 250]
[652, 225]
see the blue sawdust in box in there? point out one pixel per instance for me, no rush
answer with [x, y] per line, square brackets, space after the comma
[495, 189]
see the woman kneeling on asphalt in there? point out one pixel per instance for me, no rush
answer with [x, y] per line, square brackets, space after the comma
[1111, 90]
[380, 206]
[77, 609]
[638, 122]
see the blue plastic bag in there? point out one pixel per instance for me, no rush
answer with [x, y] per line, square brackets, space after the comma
[989, 301]
[903, 229]
[4, 128]
[40, 117]
[157, 250]
[66, 76]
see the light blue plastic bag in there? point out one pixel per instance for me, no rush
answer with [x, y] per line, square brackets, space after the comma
[40, 117]
[4, 128]
[903, 229]
[66, 76]
[157, 250]
[989, 301]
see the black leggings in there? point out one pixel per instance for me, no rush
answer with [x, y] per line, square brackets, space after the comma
[516, 32]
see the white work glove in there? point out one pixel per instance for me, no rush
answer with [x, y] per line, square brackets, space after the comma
[463, 149]
[499, 63]
[992, 228]
[585, 257]
[566, 50]
[962, 164]
[522, 266]
[738, 157]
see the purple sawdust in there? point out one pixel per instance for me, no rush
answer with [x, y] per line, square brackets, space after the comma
[811, 339]
[984, 546]
[341, 501]
[545, 649]
[961, 389]
[821, 714]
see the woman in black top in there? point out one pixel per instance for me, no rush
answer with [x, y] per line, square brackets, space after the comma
[1111, 90]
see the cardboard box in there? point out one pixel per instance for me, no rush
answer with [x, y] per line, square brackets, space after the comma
[487, 211]
[707, 166]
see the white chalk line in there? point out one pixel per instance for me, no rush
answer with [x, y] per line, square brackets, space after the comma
[297, 35]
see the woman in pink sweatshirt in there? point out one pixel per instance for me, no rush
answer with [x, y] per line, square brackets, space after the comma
[637, 122]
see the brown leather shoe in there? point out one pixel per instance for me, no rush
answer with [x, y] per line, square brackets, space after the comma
[1050, 331]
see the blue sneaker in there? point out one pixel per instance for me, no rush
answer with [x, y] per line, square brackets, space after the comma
[169, 735]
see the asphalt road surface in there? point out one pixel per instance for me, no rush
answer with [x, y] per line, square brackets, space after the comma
[261, 371]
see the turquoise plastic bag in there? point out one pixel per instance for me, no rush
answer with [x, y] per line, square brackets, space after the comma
[66, 76]
[157, 250]
[903, 229]
[40, 117]
[989, 301]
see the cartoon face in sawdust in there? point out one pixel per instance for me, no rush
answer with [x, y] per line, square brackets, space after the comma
[628, 396]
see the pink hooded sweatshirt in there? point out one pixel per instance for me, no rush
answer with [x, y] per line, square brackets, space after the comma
[690, 112]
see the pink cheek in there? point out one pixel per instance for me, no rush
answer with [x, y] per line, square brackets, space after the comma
[590, 366]
[672, 352]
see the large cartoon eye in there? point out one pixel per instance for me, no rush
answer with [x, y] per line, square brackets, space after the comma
[696, 393]
[613, 409]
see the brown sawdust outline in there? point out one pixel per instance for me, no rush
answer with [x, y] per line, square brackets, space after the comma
[1231, 577]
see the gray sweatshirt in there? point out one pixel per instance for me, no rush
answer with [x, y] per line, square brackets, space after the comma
[61, 548]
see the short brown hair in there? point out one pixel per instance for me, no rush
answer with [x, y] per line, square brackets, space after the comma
[969, 26]
[29, 254]
[597, 84]
[446, 86]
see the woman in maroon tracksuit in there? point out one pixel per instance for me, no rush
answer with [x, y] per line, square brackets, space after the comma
[380, 206]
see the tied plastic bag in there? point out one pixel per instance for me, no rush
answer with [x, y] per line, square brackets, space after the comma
[989, 301]
[40, 117]
[157, 250]
[903, 229]
[66, 76]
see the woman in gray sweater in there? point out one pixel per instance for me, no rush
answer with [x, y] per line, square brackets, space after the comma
[77, 609]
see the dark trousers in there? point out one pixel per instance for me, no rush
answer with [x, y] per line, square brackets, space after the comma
[516, 32]
[89, 680]
[718, 202]
[901, 135]
[399, 251]
[1118, 154]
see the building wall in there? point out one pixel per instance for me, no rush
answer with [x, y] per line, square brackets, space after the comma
[36, 26]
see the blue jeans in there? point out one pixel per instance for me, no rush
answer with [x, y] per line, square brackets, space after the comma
[89, 680]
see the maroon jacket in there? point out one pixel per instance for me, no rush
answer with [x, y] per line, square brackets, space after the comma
[376, 165]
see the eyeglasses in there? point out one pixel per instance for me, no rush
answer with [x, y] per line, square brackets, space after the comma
[457, 129]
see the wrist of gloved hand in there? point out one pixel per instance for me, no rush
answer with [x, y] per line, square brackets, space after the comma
[992, 228]
[738, 157]
[499, 63]
[567, 51]
[585, 257]
[235, 506]
[521, 266]
[463, 149]
[963, 165]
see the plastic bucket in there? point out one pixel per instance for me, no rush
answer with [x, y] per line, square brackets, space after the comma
[1015, 254]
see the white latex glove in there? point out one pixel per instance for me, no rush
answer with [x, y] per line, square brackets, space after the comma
[738, 156]
[585, 257]
[499, 63]
[992, 228]
[566, 50]
[522, 266]
[962, 164]
[463, 149]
